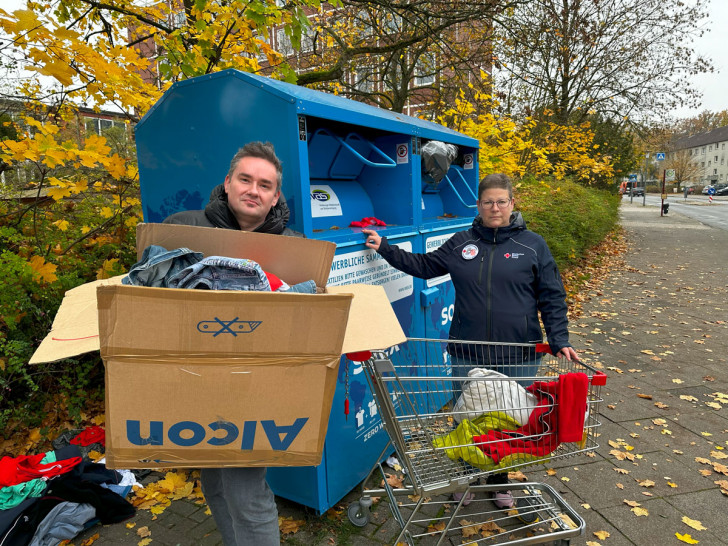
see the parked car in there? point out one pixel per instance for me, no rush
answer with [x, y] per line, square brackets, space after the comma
[638, 192]
[721, 189]
[706, 189]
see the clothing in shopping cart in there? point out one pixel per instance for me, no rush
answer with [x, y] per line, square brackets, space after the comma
[542, 434]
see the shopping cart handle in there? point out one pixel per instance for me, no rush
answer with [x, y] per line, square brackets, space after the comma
[599, 379]
[543, 348]
[359, 356]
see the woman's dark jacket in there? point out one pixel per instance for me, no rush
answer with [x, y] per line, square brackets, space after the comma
[503, 278]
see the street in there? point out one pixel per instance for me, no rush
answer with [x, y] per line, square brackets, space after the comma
[697, 207]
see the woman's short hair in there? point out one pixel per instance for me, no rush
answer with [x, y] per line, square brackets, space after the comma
[498, 181]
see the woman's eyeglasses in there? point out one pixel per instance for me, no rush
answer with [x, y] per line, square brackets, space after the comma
[501, 203]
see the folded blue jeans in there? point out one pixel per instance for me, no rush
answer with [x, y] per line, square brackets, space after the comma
[157, 265]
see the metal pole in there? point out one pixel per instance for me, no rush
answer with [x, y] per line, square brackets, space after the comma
[662, 195]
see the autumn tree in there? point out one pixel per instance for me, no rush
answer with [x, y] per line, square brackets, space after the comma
[619, 58]
[687, 170]
[75, 219]
[393, 53]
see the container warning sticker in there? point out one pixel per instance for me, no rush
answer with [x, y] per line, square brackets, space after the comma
[467, 161]
[433, 243]
[402, 153]
[324, 201]
[368, 267]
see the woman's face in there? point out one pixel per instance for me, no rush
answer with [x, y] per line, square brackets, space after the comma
[495, 207]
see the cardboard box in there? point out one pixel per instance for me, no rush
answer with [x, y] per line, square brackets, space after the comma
[198, 378]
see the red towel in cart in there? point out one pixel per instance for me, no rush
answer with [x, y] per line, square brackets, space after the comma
[21, 469]
[573, 390]
[537, 437]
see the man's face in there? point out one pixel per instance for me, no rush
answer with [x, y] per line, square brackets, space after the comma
[252, 191]
[492, 214]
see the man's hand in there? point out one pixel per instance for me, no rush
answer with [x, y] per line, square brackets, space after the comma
[373, 239]
[568, 353]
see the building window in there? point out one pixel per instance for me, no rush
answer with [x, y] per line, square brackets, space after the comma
[715, 171]
[99, 126]
[702, 164]
[425, 70]
[308, 39]
[179, 19]
[709, 163]
[716, 159]
[364, 79]
[702, 151]
[284, 43]
[710, 148]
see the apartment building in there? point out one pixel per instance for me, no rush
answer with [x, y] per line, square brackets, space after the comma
[708, 154]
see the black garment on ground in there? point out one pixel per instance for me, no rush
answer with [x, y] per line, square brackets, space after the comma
[110, 507]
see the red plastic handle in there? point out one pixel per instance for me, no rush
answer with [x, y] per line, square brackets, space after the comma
[360, 356]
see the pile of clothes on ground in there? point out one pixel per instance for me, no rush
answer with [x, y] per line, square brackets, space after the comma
[50, 497]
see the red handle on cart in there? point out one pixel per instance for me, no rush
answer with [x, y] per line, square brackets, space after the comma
[599, 378]
[360, 356]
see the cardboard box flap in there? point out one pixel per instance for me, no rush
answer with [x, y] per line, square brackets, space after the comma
[75, 327]
[292, 259]
[135, 320]
[372, 322]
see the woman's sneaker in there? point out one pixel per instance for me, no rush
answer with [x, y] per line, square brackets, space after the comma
[467, 500]
[503, 499]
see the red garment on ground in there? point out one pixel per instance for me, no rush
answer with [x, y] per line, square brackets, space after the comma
[367, 222]
[537, 437]
[21, 469]
[573, 390]
[91, 435]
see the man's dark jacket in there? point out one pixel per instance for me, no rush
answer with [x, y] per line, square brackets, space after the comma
[217, 214]
[503, 278]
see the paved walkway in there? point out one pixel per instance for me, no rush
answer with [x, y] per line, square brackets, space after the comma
[660, 331]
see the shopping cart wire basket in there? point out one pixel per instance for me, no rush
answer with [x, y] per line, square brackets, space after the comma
[458, 412]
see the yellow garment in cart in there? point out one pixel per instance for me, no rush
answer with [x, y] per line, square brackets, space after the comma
[460, 442]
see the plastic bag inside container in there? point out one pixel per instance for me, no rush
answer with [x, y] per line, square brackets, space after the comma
[436, 160]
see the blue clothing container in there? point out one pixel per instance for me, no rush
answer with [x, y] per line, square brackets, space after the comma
[342, 161]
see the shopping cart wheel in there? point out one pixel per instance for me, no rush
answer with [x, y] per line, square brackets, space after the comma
[358, 511]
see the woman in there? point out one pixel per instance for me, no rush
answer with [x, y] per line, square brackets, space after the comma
[504, 277]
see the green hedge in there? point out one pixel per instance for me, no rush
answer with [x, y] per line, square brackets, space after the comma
[571, 217]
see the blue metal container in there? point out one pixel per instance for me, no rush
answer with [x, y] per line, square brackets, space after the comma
[343, 161]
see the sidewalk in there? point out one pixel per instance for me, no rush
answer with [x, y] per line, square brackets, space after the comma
[660, 330]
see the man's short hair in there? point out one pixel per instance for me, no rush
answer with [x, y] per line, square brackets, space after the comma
[262, 150]
[498, 181]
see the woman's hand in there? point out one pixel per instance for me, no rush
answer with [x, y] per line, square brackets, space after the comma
[373, 239]
[568, 353]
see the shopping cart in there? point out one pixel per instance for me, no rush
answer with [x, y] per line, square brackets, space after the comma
[451, 429]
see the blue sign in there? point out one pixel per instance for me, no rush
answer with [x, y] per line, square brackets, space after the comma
[660, 156]
[633, 178]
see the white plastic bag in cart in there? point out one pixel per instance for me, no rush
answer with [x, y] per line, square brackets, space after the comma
[484, 395]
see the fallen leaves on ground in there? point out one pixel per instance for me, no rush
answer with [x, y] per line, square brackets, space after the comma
[686, 538]
[693, 524]
[288, 525]
[157, 496]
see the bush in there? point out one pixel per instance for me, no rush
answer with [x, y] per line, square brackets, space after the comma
[572, 218]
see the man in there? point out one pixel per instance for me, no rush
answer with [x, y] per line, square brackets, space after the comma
[250, 199]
